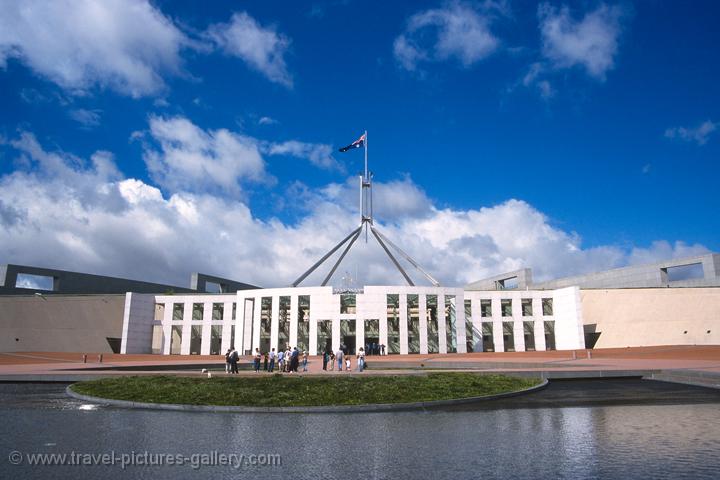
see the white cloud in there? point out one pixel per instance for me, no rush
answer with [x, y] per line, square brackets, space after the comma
[699, 134]
[591, 43]
[86, 118]
[190, 158]
[262, 48]
[64, 212]
[123, 45]
[456, 31]
[317, 154]
[267, 121]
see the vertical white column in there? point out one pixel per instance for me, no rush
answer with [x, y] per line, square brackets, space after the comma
[403, 320]
[312, 333]
[226, 327]
[167, 328]
[497, 320]
[187, 318]
[442, 331]
[335, 333]
[423, 324]
[206, 328]
[256, 325]
[275, 323]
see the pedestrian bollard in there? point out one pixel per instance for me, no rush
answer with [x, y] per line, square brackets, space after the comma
[100, 358]
[84, 358]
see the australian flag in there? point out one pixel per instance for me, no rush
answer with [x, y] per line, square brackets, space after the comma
[356, 144]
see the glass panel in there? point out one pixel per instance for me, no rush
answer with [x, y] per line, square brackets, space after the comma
[393, 324]
[195, 339]
[303, 323]
[508, 337]
[284, 323]
[176, 340]
[486, 308]
[178, 309]
[527, 307]
[157, 339]
[347, 336]
[217, 311]
[450, 320]
[487, 337]
[529, 330]
[471, 336]
[372, 337]
[232, 336]
[197, 313]
[215, 339]
[506, 307]
[265, 323]
[413, 316]
[324, 336]
[347, 303]
[549, 335]
[547, 306]
[432, 324]
[234, 314]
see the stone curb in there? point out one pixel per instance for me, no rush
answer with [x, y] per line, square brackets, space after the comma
[380, 407]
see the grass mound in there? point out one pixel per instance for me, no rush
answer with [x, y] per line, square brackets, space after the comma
[286, 391]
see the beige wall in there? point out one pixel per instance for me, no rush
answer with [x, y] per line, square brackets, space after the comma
[653, 316]
[60, 323]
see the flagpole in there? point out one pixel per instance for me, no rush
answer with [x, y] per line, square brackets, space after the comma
[365, 180]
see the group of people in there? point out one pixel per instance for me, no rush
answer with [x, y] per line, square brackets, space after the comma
[287, 360]
[373, 348]
[330, 358]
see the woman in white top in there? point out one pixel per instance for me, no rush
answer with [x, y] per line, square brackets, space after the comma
[361, 359]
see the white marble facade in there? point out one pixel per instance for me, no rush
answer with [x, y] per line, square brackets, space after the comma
[405, 319]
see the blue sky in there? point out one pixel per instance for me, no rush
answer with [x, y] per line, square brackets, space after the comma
[154, 139]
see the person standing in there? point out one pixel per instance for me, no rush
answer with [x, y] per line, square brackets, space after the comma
[339, 358]
[271, 365]
[304, 360]
[331, 361]
[325, 359]
[361, 359]
[295, 360]
[227, 360]
[256, 360]
[382, 349]
[281, 360]
[234, 357]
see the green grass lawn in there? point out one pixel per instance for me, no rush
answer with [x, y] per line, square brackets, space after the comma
[284, 390]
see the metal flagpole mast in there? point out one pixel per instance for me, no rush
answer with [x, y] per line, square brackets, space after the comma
[364, 190]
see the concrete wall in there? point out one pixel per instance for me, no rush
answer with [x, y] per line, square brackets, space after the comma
[60, 323]
[653, 316]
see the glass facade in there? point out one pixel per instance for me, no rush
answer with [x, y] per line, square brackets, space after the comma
[178, 309]
[508, 337]
[175, 340]
[195, 339]
[487, 337]
[198, 310]
[393, 324]
[506, 307]
[217, 311]
[547, 306]
[283, 323]
[413, 316]
[432, 324]
[324, 336]
[450, 324]
[471, 336]
[527, 310]
[347, 336]
[529, 331]
[372, 336]
[486, 308]
[215, 339]
[348, 303]
[303, 336]
[265, 323]
[549, 335]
